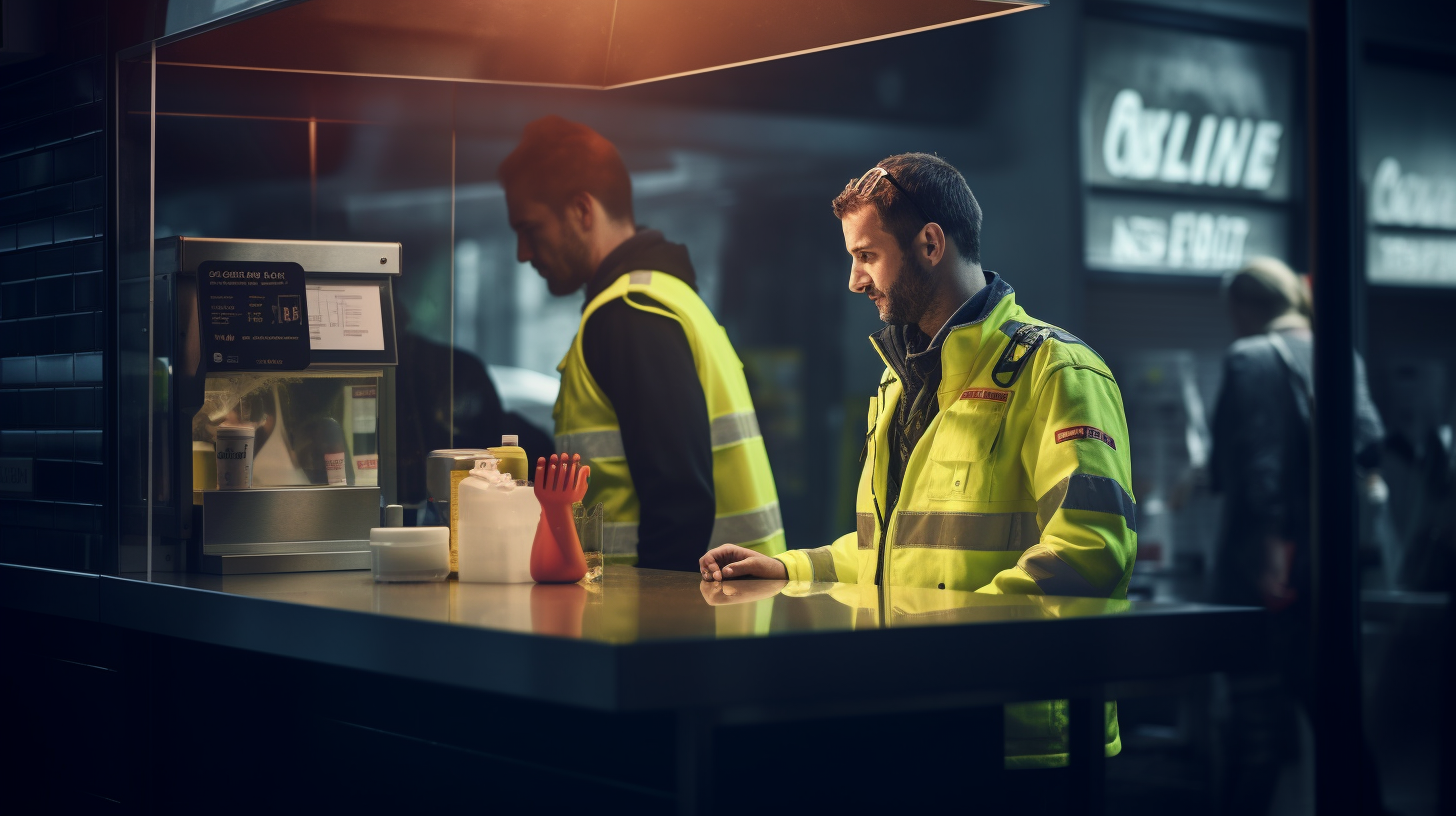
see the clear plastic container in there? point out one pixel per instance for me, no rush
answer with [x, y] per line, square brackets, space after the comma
[410, 553]
[498, 519]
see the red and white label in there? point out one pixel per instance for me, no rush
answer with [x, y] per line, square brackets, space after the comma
[366, 463]
[986, 394]
[334, 466]
[1085, 432]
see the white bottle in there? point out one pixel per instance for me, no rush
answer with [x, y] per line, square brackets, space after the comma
[498, 518]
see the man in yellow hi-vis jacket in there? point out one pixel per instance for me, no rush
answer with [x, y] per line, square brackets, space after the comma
[652, 393]
[996, 455]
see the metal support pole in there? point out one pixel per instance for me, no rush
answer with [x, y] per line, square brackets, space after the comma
[1336, 699]
[695, 762]
[1087, 731]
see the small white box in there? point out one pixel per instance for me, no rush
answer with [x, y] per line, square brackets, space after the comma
[410, 553]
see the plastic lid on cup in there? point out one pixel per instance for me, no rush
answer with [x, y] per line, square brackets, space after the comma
[230, 430]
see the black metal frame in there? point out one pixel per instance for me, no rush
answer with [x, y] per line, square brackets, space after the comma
[1333, 225]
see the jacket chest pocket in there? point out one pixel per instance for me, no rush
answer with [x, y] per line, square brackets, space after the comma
[961, 456]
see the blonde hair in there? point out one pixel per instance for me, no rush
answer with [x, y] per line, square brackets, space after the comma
[1268, 288]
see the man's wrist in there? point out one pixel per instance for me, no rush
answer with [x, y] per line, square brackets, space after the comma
[782, 568]
[790, 561]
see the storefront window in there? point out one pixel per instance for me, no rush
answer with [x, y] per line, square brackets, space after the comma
[1407, 171]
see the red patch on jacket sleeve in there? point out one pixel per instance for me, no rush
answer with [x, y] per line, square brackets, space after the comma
[1085, 432]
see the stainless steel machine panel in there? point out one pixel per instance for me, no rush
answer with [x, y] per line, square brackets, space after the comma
[284, 514]
[340, 257]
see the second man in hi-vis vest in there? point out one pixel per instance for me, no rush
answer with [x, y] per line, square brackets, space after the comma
[652, 393]
[996, 451]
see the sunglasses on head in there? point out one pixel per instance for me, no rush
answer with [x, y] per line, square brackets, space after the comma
[865, 185]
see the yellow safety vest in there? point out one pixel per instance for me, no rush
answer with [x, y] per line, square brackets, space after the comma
[747, 510]
[1021, 484]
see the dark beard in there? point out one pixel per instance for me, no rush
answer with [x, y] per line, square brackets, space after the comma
[908, 298]
[575, 269]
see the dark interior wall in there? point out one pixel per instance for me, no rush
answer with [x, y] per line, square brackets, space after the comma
[1424, 25]
[53, 171]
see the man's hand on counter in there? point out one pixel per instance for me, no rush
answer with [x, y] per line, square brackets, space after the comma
[732, 561]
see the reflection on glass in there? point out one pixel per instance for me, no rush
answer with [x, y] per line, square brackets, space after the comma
[300, 423]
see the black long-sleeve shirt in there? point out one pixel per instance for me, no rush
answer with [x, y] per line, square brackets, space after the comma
[645, 366]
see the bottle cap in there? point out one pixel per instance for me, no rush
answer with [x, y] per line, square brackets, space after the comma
[510, 441]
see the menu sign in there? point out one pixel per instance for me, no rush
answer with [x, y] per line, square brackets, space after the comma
[1186, 142]
[1192, 237]
[253, 316]
[1408, 166]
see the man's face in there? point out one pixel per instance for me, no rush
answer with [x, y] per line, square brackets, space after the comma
[550, 242]
[900, 287]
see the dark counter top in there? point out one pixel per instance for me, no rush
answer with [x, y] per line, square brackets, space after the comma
[649, 640]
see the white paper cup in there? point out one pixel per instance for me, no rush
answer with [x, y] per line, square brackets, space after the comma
[235, 457]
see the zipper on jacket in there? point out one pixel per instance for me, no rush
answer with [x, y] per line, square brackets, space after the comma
[879, 515]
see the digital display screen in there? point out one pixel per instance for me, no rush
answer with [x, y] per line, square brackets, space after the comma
[345, 317]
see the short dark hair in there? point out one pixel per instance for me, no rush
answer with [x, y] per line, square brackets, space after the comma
[560, 158]
[939, 189]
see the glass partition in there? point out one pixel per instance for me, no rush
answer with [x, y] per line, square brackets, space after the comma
[739, 166]
[1407, 172]
[140, 374]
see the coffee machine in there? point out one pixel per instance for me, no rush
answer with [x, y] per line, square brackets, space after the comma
[290, 344]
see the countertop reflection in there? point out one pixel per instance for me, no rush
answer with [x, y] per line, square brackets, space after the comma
[646, 640]
[638, 605]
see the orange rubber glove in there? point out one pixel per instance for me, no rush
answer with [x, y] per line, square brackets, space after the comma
[556, 556]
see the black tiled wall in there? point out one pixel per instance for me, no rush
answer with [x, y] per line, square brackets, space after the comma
[53, 259]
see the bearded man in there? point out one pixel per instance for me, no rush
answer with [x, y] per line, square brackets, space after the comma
[997, 451]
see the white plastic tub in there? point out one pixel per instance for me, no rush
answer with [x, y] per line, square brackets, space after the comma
[410, 553]
[498, 518]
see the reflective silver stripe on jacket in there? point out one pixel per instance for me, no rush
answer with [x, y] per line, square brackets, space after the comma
[864, 530]
[592, 444]
[976, 532]
[821, 566]
[1055, 576]
[726, 430]
[1083, 491]
[619, 538]
[732, 428]
[744, 528]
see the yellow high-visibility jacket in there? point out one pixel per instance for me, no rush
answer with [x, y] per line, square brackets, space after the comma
[747, 511]
[1020, 484]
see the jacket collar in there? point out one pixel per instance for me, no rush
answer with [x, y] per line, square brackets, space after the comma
[647, 250]
[895, 349]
